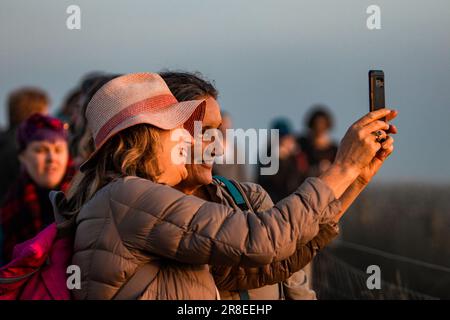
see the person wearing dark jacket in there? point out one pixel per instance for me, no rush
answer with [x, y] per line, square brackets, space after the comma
[293, 165]
[317, 144]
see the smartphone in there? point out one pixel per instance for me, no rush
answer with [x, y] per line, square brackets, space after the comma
[376, 90]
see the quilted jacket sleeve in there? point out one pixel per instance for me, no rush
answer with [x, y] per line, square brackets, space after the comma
[239, 278]
[242, 278]
[163, 221]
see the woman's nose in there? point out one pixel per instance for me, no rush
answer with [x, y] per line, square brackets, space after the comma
[50, 156]
[220, 150]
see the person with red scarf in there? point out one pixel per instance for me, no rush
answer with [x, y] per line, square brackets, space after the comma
[45, 165]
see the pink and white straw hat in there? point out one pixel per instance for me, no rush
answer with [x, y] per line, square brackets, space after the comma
[133, 99]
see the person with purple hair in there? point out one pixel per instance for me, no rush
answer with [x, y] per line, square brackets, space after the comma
[45, 165]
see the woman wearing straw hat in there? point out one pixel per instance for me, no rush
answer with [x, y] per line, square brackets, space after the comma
[138, 238]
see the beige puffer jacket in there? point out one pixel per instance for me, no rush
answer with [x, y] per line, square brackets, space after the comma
[132, 221]
[264, 281]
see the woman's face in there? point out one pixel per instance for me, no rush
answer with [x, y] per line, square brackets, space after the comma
[201, 173]
[320, 125]
[173, 156]
[45, 162]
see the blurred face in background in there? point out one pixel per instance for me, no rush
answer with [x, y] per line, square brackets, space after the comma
[45, 162]
[320, 125]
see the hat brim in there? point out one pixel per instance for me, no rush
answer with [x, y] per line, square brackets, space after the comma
[166, 118]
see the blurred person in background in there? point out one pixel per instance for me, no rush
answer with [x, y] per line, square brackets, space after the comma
[293, 164]
[317, 143]
[70, 106]
[22, 103]
[45, 165]
[233, 170]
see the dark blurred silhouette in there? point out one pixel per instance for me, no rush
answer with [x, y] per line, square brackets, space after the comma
[317, 144]
[293, 165]
[70, 106]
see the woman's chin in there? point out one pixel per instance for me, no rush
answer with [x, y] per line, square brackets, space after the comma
[184, 174]
[47, 184]
[206, 176]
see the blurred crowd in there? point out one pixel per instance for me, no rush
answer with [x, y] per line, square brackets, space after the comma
[41, 152]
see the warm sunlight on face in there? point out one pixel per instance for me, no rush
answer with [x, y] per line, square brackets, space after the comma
[46, 162]
[173, 156]
[201, 173]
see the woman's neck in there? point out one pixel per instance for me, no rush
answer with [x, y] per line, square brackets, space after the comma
[321, 140]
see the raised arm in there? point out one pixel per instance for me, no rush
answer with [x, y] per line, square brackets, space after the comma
[190, 230]
[239, 278]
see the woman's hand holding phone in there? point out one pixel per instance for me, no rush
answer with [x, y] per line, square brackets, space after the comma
[387, 147]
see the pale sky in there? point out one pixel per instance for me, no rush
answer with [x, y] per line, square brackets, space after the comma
[268, 58]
